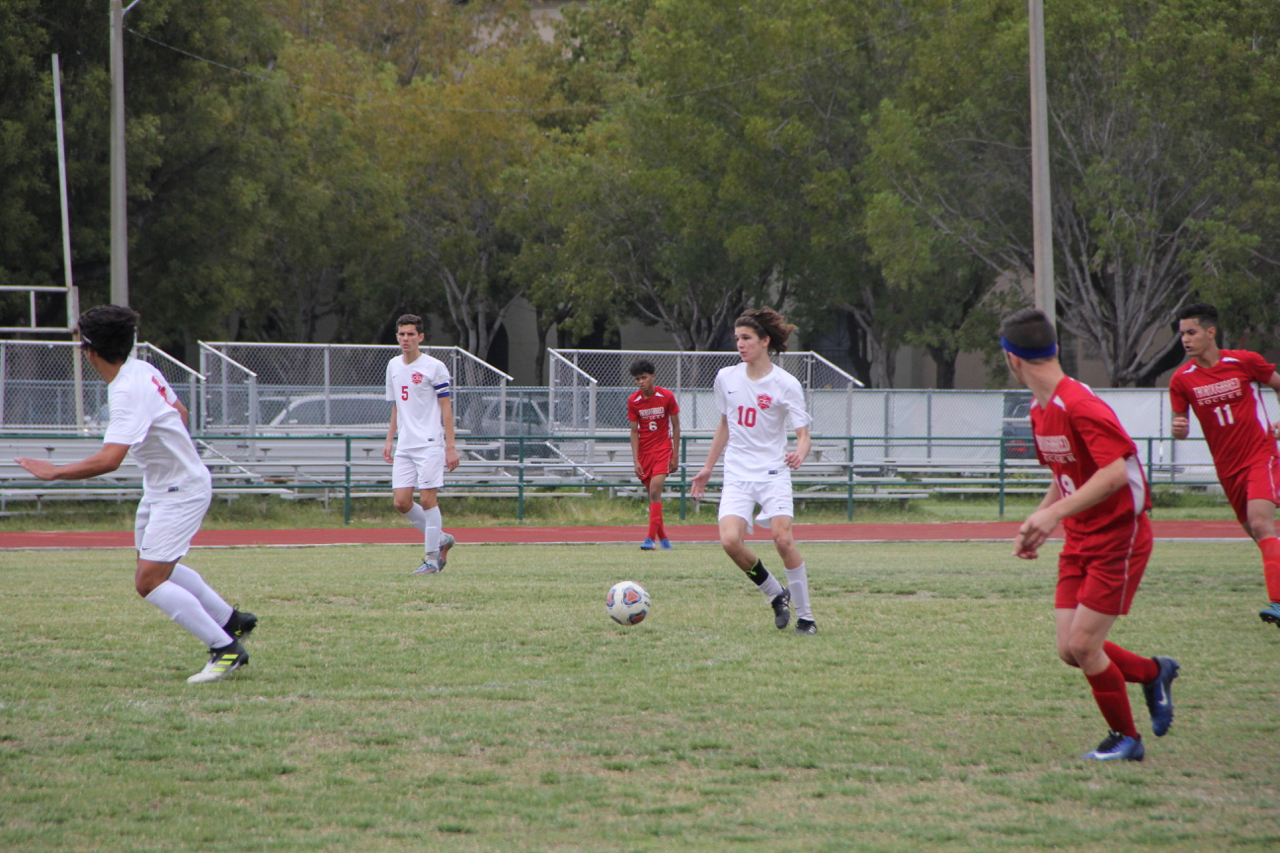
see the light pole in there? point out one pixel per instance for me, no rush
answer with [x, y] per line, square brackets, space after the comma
[1041, 210]
[119, 184]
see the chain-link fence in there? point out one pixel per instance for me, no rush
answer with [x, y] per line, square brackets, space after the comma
[47, 386]
[589, 388]
[333, 388]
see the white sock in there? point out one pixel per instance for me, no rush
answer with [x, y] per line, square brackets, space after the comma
[798, 583]
[185, 609]
[417, 516]
[771, 587]
[434, 521]
[213, 604]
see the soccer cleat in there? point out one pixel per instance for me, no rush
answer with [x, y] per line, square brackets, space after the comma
[222, 662]
[806, 627]
[1271, 613]
[647, 544]
[241, 624]
[446, 542]
[1117, 747]
[781, 612]
[429, 566]
[1159, 699]
[665, 544]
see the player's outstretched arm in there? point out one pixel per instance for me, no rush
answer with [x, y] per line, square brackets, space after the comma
[106, 460]
[389, 446]
[1274, 384]
[675, 443]
[796, 457]
[718, 443]
[451, 459]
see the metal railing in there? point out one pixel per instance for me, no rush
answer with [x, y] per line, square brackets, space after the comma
[842, 467]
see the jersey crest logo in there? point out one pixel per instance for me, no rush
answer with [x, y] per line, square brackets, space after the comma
[764, 401]
[417, 378]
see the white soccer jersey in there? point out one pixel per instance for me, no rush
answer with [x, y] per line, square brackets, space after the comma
[757, 414]
[143, 416]
[417, 389]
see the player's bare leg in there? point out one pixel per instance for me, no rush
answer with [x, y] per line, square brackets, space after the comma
[657, 531]
[152, 581]
[733, 534]
[433, 522]
[797, 573]
[1260, 523]
[1081, 636]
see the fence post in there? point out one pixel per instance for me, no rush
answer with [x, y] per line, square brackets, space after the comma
[684, 473]
[346, 509]
[849, 459]
[1003, 440]
[520, 482]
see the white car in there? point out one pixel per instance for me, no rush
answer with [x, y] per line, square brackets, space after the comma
[338, 413]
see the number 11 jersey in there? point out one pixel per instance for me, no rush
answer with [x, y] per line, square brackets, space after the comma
[1231, 415]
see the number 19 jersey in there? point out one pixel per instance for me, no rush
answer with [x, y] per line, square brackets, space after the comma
[757, 414]
[1076, 434]
[1231, 415]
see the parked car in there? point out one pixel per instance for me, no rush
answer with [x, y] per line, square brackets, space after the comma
[1015, 426]
[338, 413]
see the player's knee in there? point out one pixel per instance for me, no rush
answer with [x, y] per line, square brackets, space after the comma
[1261, 527]
[403, 505]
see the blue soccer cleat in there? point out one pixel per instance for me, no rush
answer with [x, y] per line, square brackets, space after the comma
[1117, 747]
[647, 544]
[1159, 699]
[665, 544]
[1271, 613]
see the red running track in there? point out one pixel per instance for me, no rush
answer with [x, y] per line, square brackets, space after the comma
[957, 531]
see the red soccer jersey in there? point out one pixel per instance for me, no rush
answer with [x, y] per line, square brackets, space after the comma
[653, 414]
[1076, 434]
[1234, 422]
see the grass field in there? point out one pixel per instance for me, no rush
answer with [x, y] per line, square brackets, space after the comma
[495, 708]
[257, 511]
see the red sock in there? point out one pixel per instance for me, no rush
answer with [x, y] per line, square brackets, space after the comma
[1135, 668]
[656, 530]
[1270, 548]
[1113, 700]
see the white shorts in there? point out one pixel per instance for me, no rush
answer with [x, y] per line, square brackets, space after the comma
[740, 497]
[164, 527]
[418, 469]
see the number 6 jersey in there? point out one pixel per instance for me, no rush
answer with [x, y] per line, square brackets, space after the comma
[1230, 413]
[1076, 434]
[757, 414]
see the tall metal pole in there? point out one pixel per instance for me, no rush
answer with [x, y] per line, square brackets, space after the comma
[73, 303]
[1041, 209]
[119, 187]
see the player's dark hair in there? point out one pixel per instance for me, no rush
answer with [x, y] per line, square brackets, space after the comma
[766, 322]
[1030, 329]
[110, 331]
[410, 320]
[1202, 312]
[642, 365]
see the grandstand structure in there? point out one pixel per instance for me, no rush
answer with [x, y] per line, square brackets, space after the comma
[306, 421]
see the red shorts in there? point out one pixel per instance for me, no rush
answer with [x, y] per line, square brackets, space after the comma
[1259, 482]
[654, 465]
[1103, 572]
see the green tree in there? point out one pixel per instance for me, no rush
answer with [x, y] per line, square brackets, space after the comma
[1148, 161]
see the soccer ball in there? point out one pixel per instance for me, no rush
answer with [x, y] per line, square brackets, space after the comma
[627, 603]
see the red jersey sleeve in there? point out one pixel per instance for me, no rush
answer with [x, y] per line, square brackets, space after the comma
[1101, 432]
[1257, 367]
[1178, 399]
